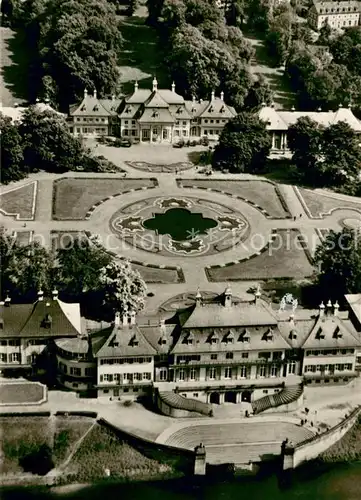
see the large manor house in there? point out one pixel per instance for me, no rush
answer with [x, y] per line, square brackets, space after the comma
[216, 350]
[150, 115]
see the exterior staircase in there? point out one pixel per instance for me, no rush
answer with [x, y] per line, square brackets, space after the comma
[181, 403]
[286, 396]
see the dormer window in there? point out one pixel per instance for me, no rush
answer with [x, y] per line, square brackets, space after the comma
[162, 341]
[156, 114]
[188, 339]
[320, 335]
[222, 110]
[46, 323]
[96, 108]
[268, 335]
[211, 109]
[244, 337]
[293, 335]
[337, 333]
[228, 338]
[134, 341]
[179, 111]
[128, 110]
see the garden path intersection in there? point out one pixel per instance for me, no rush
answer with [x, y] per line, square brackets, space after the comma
[297, 219]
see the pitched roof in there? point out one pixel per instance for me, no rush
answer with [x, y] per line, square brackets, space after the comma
[171, 97]
[139, 96]
[337, 7]
[151, 115]
[180, 112]
[242, 314]
[272, 119]
[111, 105]
[13, 318]
[125, 341]
[129, 111]
[63, 319]
[89, 106]
[354, 301]
[83, 345]
[155, 100]
[156, 335]
[196, 108]
[230, 340]
[217, 108]
[330, 332]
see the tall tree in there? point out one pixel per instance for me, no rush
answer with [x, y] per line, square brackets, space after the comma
[305, 142]
[243, 146]
[12, 155]
[30, 268]
[339, 261]
[79, 266]
[48, 144]
[123, 289]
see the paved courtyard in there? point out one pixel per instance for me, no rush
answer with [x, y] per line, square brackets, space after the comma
[263, 230]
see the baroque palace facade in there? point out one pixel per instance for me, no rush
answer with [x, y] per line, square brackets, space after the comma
[217, 350]
[150, 115]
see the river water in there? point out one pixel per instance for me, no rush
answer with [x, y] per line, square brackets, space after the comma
[342, 482]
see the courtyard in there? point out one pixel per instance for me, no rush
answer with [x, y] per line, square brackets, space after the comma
[180, 230]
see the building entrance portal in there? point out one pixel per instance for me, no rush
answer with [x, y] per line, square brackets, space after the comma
[246, 396]
[230, 397]
[214, 398]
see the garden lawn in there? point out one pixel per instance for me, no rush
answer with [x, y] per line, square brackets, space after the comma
[73, 197]
[20, 436]
[261, 193]
[346, 449]
[21, 392]
[20, 201]
[319, 204]
[157, 275]
[284, 259]
[68, 431]
[102, 449]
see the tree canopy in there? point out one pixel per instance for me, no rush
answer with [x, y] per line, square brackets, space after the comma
[339, 261]
[328, 156]
[243, 146]
[83, 271]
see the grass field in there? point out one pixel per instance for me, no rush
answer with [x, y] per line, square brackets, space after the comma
[21, 392]
[19, 201]
[260, 192]
[73, 197]
[68, 431]
[320, 204]
[285, 259]
[101, 450]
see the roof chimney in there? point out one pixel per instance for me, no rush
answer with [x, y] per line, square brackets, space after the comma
[155, 84]
[55, 294]
[135, 86]
[198, 298]
[173, 87]
[212, 95]
[132, 317]
[257, 295]
[85, 92]
[319, 108]
[40, 295]
[322, 309]
[95, 94]
[125, 319]
[7, 301]
[113, 97]
[37, 100]
[46, 100]
[117, 319]
[293, 108]
[193, 98]
[329, 307]
[222, 95]
[228, 296]
[16, 105]
[336, 307]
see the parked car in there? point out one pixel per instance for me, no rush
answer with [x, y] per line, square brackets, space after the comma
[122, 143]
[178, 144]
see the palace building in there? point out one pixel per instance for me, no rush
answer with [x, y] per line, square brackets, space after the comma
[344, 14]
[217, 350]
[278, 122]
[150, 115]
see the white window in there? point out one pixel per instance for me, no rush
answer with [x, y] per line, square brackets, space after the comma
[262, 371]
[292, 367]
[108, 377]
[75, 371]
[193, 374]
[117, 377]
[212, 373]
[229, 355]
[228, 372]
[274, 371]
[242, 371]
[3, 357]
[163, 374]
[181, 375]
